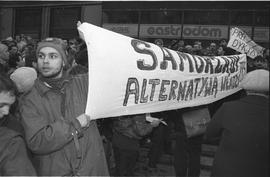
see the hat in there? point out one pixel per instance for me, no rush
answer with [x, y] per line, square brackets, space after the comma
[24, 78]
[56, 43]
[256, 80]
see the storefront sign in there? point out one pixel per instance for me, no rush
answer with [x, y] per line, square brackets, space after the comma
[129, 76]
[205, 32]
[160, 31]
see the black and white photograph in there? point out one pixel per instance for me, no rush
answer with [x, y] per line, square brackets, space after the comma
[134, 88]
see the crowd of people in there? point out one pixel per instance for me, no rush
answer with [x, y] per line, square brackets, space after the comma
[44, 131]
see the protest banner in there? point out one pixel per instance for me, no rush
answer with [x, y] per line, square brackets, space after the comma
[242, 43]
[129, 76]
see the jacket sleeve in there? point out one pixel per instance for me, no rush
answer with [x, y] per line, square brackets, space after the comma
[215, 126]
[43, 137]
[17, 162]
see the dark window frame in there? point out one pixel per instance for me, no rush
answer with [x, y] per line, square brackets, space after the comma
[64, 32]
[26, 29]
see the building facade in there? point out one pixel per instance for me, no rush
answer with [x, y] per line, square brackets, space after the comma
[146, 20]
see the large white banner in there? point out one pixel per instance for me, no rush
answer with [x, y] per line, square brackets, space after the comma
[242, 43]
[128, 76]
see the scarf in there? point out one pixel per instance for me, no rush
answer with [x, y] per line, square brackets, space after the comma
[56, 84]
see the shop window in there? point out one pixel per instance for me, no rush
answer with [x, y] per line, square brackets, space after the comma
[206, 17]
[123, 22]
[262, 18]
[63, 22]
[127, 17]
[161, 17]
[28, 22]
[241, 18]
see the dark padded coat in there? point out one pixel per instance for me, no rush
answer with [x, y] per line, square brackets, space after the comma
[54, 134]
[244, 129]
[14, 159]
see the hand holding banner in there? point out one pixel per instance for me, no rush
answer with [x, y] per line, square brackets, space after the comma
[128, 76]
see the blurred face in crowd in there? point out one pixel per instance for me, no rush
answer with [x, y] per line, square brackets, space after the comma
[260, 63]
[220, 51]
[159, 42]
[213, 46]
[196, 47]
[6, 100]
[4, 54]
[189, 49]
[223, 43]
[13, 50]
[18, 38]
[181, 43]
[73, 44]
[50, 63]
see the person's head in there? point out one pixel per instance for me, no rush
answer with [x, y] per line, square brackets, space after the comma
[4, 54]
[181, 43]
[7, 94]
[260, 63]
[21, 45]
[188, 49]
[256, 81]
[18, 38]
[220, 51]
[159, 42]
[51, 57]
[196, 47]
[212, 46]
[74, 44]
[13, 49]
[223, 42]
[199, 43]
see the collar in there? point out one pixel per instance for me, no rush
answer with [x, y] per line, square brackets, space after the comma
[43, 87]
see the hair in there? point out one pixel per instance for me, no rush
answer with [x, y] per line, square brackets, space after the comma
[7, 85]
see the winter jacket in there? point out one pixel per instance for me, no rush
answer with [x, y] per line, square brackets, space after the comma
[244, 129]
[12, 123]
[13, 155]
[59, 143]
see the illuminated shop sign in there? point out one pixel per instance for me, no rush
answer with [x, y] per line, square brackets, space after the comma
[205, 32]
[214, 32]
[125, 29]
[160, 31]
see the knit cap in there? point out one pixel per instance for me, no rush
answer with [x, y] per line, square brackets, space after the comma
[24, 78]
[56, 43]
[257, 80]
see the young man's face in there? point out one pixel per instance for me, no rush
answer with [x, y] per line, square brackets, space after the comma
[6, 100]
[50, 63]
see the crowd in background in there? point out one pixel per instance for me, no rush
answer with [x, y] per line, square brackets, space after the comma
[20, 51]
